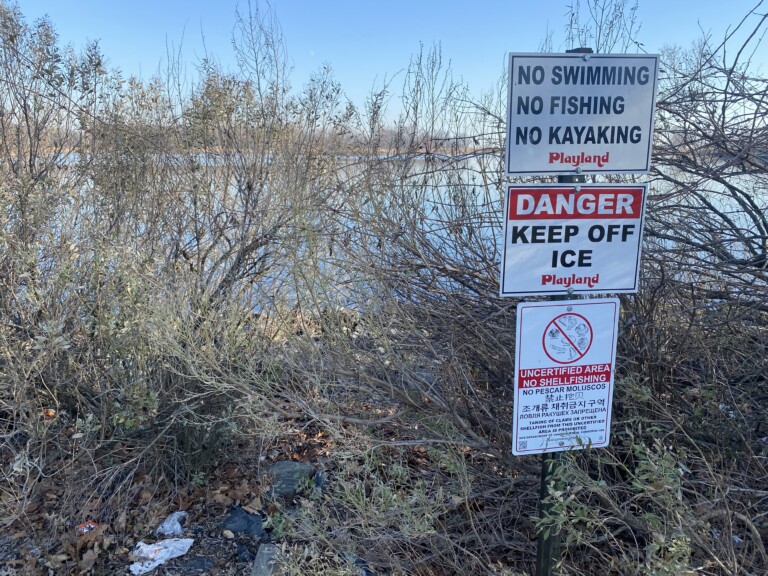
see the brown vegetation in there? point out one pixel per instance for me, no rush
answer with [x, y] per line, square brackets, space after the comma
[190, 278]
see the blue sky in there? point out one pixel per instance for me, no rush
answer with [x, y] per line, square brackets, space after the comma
[363, 41]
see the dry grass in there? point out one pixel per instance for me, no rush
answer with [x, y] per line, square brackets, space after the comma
[189, 280]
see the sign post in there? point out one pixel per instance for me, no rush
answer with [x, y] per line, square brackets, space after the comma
[571, 114]
[548, 550]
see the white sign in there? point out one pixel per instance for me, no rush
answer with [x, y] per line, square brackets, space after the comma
[565, 354]
[580, 113]
[579, 237]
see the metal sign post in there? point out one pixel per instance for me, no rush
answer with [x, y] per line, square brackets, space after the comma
[548, 551]
[571, 114]
[564, 374]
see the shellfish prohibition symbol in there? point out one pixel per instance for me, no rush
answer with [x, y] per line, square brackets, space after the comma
[567, 338]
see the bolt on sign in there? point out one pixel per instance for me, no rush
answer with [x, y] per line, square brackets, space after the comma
[572, 238]
[580, 113]
[564, 365]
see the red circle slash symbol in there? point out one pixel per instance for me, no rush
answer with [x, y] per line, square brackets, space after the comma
[567, 338]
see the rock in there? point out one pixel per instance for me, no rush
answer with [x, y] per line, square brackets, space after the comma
[320, 480]
[238, 521]
[359, 563]
[266, 561]
[289, 478]
[194, 565]
[228, 534]
[243, 553]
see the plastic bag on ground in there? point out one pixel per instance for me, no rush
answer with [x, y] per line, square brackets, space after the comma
[171, 526]
[153, 555]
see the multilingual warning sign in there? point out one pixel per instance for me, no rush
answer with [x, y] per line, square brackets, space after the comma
[565, 354]
[561, 239]
[580, 113]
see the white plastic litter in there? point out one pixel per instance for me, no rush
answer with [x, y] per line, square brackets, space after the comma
[171, 526]
[158, 553]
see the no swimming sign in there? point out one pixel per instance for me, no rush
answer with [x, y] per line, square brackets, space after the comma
[580, 113]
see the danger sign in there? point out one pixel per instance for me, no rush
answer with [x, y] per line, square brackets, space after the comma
[580, 113]
[565, 355]
[579, 238]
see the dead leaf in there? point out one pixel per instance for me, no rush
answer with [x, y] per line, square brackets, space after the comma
[254, 506]
[91, 507]
[239, 494]
[222, 499]
[57, 560]
[121, 521]
[89, 559]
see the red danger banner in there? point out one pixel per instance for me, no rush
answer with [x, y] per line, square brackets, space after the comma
[605, 203]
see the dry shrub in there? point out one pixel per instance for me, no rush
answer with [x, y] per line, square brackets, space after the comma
[148, 263]
[185, 273]
[687, 464]
[405, 505]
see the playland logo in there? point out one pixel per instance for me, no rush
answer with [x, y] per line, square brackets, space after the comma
[577, 160]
